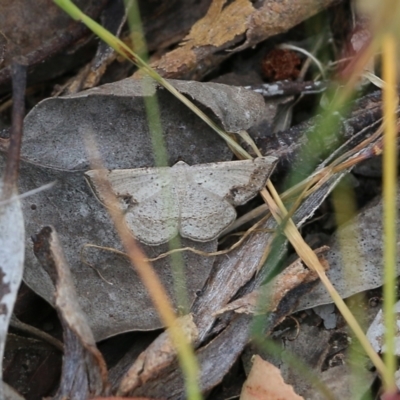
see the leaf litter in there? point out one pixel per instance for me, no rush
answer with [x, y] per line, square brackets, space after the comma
[124, 305]
[115, 115]
[229, 27]
[80, 219]
[78, 216]
[265, 382]
[363, 253]
[39, 46]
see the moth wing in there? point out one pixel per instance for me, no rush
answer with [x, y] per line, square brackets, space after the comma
[236, 181]
[204, 214]
[147, 196]
[154, 221]
[139, 184]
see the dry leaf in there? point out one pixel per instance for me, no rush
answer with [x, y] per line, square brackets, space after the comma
[265, 382]
[111, 294]
[355, 263]
[12, 229]
[12, 251]
[376, 332]
[11, 394]
[116, 117]
[231, 26]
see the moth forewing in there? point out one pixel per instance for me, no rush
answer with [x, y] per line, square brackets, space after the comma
[237, 181]
[99, 184]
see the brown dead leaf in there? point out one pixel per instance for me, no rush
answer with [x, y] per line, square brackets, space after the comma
[219, 26]
[113, 19]
[39, 361]
[231, 26]
[265, 382]
[212, 29]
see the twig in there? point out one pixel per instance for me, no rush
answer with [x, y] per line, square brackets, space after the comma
[18, 112]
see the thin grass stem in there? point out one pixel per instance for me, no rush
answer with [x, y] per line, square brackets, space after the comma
[390, 101]
[311, 260]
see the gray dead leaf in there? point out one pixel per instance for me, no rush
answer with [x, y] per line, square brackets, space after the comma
[115, 115]
[109, 291]
[84, 369]
[196, 201]
[12, 250]
[355, 263]
[342, 381]
[235, 107]
[376, 332]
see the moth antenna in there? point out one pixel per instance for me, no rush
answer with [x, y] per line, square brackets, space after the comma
[89, 183]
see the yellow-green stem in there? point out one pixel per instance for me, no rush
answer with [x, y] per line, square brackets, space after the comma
[389, 203]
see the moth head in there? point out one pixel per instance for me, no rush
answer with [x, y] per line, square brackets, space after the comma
[126, 200]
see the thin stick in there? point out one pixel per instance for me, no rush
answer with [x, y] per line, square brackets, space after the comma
[18, 112]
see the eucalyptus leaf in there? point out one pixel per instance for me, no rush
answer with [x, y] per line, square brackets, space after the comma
[355, 257]
[115, 115]
[109, 291]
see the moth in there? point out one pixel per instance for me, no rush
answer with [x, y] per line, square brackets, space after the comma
[197, 201]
